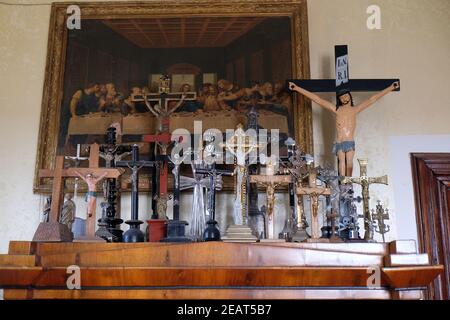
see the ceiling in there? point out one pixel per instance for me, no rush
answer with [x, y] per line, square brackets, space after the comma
[183, 32]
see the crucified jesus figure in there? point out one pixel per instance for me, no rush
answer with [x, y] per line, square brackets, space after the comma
[91, 196]
[163, 113]
[345, 111]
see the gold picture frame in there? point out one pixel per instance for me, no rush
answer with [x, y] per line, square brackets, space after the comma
[296, 10]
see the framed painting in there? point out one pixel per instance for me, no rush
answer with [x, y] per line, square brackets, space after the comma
[222, 52]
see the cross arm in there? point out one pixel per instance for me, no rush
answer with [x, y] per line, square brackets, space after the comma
[71, 172]
[347, 180]
[314, 97]
[382, 180]
[356, 85]
[108, 173]
[215, 171]
[162, 138]
[311, 190]
[367, 103]
[140, 163]
[280, 179]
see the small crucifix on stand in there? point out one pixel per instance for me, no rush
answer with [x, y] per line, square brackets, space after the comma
[297, 166]
[314, 192]
[344, 109]
[380, 217]
[331, 216]
[364, 181]
[176, 228]
[134, 234]
[54, 231]
[112, 152]
[77, 161]
[211, 232]
[240, 146]
[271, 182]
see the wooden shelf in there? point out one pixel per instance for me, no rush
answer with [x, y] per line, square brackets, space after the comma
[208, 270]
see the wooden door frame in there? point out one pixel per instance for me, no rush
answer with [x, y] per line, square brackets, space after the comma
[431, 181]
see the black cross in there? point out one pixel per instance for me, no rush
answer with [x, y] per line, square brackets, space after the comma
[343, 81]
[135, 234]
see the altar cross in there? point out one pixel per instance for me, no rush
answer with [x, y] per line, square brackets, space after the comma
[314, 192]
[380, 217]
[271, 182]
[364, 181]
[134, 234]
[59, 173]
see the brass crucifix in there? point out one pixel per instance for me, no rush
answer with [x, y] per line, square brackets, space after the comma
[271, 182]
[314, 192]
[364, 181]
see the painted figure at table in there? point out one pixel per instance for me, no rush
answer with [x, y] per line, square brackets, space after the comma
[243, 97]
[345, 112]
[135, 107]
[85, 101]
[186, 106]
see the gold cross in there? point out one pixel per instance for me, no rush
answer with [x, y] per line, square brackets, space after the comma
[364, 181]
[314, 192]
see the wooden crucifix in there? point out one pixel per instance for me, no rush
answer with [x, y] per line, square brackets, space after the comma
[53, 231]
[364, 181]
[162, 140]
[314, 192]
[271, 182]
[344, 109]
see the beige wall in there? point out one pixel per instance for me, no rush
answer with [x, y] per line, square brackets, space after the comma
[412, 45]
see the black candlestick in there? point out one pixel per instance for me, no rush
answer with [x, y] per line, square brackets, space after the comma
[111, 152]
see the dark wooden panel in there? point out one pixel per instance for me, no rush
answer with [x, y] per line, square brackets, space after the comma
[202, 294]
[431, 179]
[214, 255]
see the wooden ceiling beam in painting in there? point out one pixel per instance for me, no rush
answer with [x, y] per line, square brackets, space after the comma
[163, 32]
[183, 32]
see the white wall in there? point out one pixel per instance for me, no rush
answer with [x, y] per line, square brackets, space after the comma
[401, 147]
[412, 45]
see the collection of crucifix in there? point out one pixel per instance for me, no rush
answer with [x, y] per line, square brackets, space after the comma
[313, 192]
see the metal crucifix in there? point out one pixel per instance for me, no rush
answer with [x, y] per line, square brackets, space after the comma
[134, 234]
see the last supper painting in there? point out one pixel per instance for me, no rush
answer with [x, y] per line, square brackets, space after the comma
[225, 65]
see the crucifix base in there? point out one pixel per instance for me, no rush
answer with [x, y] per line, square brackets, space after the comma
[176, 231]
[300, 235]
[52, 232]
[89, 239]
[335, 239]
[212, 232]
[104, 233]
[108, 229]
[239, 233]
[319, 240]
[156, 230]
[134, 234]
[117, 233]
